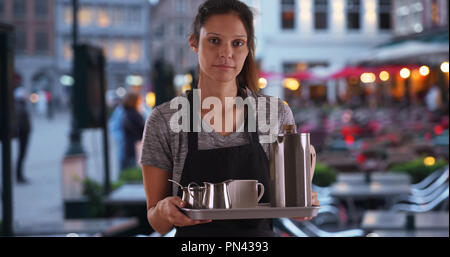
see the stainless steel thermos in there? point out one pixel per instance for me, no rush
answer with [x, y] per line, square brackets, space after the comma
[292, 163]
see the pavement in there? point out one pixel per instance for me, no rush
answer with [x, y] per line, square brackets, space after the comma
[40, 201]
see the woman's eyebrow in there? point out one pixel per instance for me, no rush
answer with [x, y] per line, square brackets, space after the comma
[217, 34]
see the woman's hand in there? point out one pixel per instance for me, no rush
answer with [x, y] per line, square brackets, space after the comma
[168, 209]
[314, 202]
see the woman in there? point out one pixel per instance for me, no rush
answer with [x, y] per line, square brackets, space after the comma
[223, 39]
[133, 127]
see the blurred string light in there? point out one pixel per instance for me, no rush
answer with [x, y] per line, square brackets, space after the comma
[185, 87]
[262, 83]
[424, 70]
[150, 99]
[429, 161]
[444, 67]
[438, 130]
[134, 80]
[188, 78]
[120, 92]
[291, 84]
[34, 98]
[286, 103]
[384, 76]
[405, 73]
[66, 80]
[368, 77]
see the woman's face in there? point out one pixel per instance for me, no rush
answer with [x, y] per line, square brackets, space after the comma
[222, 47]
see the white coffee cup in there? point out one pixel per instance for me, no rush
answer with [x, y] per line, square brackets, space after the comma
[244, 193]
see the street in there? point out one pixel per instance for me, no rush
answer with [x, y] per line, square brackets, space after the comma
[40, 201]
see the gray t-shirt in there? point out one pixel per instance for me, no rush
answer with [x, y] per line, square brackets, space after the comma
[165, 149]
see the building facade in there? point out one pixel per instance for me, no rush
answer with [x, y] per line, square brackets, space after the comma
[170, 29]
[120, 28]
[33, 23]
[416, 16]
[303, 35]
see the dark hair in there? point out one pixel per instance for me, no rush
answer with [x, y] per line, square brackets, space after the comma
[248, 76]
[130, 100]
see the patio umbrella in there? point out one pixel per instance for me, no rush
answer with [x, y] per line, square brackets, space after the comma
[351, 71]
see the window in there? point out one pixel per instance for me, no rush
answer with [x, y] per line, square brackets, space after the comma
[41, 8]
[19, 9]
[85, 16]
[20, 39]
[41, 41]
[119, 50]
[103, 17]
[321, 14]
[134, 16]
[384, 12]
[287, 14]
[117, 16]
[135, 51]
[159, 31]
[180, 6]
[1, 9]
[180, 29]
[353, 14]
[67, 13]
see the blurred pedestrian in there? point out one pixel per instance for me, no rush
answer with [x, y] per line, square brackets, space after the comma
[22, 130]
[115, 126]
[433, 101]
[433, 98]
[49, 99]
[133, 128]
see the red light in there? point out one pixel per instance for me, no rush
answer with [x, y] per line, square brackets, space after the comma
[349, 140]
[438, 130]
[360, 158]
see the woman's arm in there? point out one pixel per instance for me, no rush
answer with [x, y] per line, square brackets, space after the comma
[162, 209]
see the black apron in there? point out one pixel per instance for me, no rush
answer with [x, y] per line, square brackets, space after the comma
[217, 165]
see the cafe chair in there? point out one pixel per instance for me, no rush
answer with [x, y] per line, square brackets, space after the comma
[434, 204]
[327, 213]
[433, 186]
[438, 176]
[422, 199]
[285, 225]
[317, 232]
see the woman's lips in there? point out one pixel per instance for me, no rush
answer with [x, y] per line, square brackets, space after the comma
[224, 67]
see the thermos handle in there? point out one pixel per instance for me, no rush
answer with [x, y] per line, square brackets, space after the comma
[312, 150]
[261, 186]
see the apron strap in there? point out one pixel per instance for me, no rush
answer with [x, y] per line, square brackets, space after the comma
[193, 136]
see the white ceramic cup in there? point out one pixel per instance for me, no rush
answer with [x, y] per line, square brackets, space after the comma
[244, 193]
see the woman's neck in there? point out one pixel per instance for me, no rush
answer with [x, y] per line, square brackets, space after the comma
[220, 90]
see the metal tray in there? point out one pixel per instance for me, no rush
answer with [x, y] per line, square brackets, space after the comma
[260, 212]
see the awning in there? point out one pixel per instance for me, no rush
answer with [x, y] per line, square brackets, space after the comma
[406, 52]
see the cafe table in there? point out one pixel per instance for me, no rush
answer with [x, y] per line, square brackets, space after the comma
[388, 220]
[378, 176]
[349, 192]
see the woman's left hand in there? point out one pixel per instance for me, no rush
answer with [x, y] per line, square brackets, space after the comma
[315, 202]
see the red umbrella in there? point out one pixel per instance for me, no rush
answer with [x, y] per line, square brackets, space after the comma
[351, 72]
[301, 75]
[268, 75]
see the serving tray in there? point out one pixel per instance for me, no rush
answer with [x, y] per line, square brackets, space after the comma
[260, 212]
